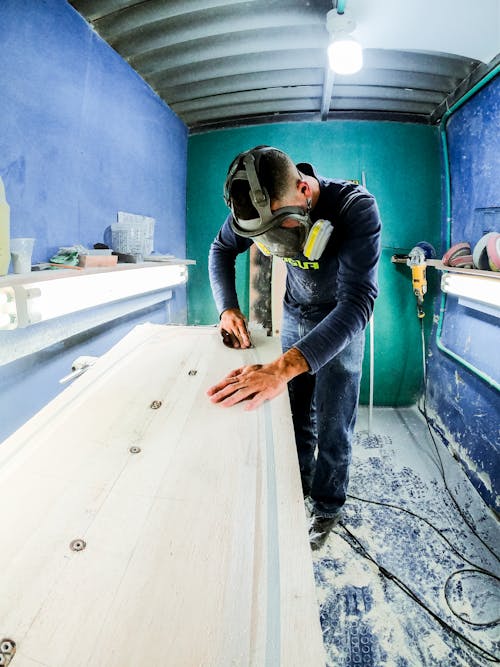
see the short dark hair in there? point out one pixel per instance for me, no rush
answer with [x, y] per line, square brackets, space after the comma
[273, 169]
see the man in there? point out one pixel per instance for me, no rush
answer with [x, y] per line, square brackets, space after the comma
[328, 233]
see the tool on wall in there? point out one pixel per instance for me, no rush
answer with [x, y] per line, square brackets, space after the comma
[416, 262]
[416, 259]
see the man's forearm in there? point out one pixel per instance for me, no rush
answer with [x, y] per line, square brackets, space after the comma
[221, 271]
[290, 364]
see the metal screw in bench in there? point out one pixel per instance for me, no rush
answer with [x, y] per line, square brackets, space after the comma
[7, 651]
[155, 405]
[7, 646]
[77, 545]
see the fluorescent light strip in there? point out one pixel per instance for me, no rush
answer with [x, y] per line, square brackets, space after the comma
[476, 288]
[43, 300]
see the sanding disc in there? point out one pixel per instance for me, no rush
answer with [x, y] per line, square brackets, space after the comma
[462, 262]
[480, 254]
[493, 250]
[428, 249]
[456, 250]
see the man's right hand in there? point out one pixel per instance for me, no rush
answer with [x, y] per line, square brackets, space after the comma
[234, 330]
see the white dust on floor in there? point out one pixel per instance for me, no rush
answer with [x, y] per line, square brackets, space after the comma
[366, 618]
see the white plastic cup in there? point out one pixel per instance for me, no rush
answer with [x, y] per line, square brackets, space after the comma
[20, 254]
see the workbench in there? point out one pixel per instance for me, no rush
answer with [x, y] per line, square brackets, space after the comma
[144, 525]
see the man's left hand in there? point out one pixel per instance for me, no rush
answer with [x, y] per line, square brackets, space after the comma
[259, 382]
[254, 384]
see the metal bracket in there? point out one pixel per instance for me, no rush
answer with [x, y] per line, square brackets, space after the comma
[78, 367]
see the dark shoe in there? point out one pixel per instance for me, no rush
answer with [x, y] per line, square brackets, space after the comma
[320, 528]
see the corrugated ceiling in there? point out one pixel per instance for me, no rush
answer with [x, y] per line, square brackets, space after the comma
[219, 64]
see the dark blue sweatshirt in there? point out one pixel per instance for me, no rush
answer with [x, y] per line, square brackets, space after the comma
[339, 288]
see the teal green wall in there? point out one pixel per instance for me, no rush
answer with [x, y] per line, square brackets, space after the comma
[401, 162]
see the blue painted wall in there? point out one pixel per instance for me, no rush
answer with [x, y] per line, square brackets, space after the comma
[465, 407]
[82, 136]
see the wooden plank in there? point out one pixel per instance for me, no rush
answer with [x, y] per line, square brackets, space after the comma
[196, 547]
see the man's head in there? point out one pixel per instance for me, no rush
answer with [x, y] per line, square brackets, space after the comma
[276, 173]
[269, 200]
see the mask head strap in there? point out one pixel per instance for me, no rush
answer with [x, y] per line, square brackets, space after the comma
[258, 194]
[245, 168]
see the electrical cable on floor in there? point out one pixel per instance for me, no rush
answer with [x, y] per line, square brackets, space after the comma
[489, 624]
[479, 568]
[474, 569]
[490, 657]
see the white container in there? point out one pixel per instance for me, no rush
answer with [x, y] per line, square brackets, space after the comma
[21, 251]
[4, 232]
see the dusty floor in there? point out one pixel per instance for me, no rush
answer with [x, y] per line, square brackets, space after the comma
[367, 619]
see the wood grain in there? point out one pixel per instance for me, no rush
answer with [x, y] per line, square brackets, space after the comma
[196, 547]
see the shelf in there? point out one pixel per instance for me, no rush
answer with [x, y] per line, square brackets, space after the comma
[12, 279]
[438, 264]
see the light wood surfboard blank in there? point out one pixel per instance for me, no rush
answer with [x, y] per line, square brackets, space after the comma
[196, 547]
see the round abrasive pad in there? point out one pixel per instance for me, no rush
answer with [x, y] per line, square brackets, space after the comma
[462, 262]
[480, 254]
[456, 251]
[493, 249]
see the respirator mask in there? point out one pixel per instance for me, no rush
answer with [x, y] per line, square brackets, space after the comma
[285, 233]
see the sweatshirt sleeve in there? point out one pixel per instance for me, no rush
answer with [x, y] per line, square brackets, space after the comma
[357, 285]
[221, 266]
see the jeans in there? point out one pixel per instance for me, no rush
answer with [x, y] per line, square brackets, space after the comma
[324, 408]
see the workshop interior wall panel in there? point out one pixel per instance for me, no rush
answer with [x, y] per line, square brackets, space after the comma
[82, 136]
[465, 407]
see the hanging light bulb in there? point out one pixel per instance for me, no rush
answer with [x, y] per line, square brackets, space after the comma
[345, 54]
